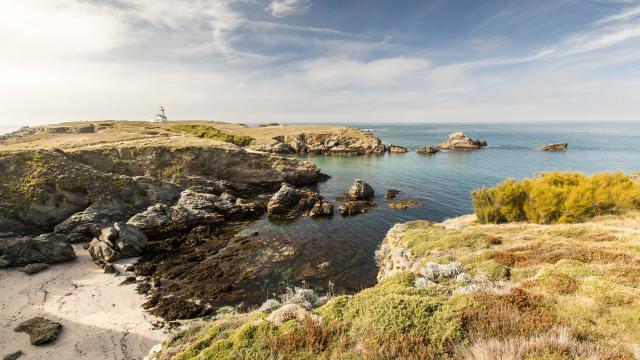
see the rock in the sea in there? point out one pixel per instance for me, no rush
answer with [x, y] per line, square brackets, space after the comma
[13, 356]
[41, 331]
[119, 241]
[343, 141]
[354, 207]
[459, 141]
[323, 208]
[35, 268]
[46, 248]
[291, 202]
[403, 204]
[391, 193]
[554, 147]
[360, 190]
[397, 149]
[429, 150]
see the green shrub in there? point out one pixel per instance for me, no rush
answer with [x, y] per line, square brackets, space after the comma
[556, 197]
[209, 132]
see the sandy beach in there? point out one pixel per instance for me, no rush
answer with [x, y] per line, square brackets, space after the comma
[101, 319]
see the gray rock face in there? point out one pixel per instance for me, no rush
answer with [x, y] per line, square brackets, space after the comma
[118, 242]
[459, 141]
[360, 190]
[290, 202]
[35, 268]
[195, 207]
[46, 248]
[344, 141]
[87, 224]
[554, 147]
[41, 331]
[428, 150]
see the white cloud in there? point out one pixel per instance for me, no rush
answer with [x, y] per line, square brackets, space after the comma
[337, 72]
[282, 8]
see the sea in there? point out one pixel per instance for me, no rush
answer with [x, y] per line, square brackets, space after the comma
[342, 248]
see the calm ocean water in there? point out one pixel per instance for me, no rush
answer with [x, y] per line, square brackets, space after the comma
[442, 182]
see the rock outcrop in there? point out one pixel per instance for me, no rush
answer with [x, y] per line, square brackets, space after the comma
[344, 141]
[427, 150]
[397, 149]
[554, 147]
[404, 204]
[24, 250]
[322, 208]
[87, 224]
[118, 241]
[391, 193]
[41, 331]
[289, 202]
[459, 141]
[360, 190]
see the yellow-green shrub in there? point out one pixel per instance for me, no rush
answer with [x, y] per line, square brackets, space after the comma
[209, 132]
[556, 197]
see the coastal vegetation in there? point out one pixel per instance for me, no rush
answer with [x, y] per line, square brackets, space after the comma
[209, 132]
[557, 197]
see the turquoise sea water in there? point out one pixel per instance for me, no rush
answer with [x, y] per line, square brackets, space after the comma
[342, 248]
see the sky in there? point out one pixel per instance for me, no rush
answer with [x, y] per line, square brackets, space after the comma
[320, 61]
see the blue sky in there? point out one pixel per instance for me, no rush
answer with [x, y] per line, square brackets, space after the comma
[320, 61]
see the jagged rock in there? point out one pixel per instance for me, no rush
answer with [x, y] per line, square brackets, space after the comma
[41, 331]
[13, 356]
[199, 235]
[343, 141]
[118, 242]
[429, 150]
[397, 149]
[46, 248]
[291, 202]
[360, 190]
[87, 224]
[195, 207]
[458, 141]
[323, 208]
[391, 193]
[35, 268]
[554, 147]
[354, 207]
[403, 204]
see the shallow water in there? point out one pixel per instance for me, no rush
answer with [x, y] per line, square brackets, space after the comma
[345, 246]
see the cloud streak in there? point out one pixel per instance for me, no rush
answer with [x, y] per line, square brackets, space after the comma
[283, 8]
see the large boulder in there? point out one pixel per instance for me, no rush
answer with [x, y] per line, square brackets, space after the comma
[118, 241]
[87, 224]
[397, 149]
[321, 208]
[41, 331]
[290, 202]
[46, 248]
[360, 190]
[354, 207]
[459, 141]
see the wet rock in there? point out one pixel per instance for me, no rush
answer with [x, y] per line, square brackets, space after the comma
[403, 204]
[459, 141]
[41, 331]
[429, 150]
[554, 147]
[391, 193]
[397, 149]
[360, 190]
[199, 235]
[13, 356]
[354, 207]
[290, 202]
[87, 224]
[323, 208]
[35, 268]
[119, 241]
[46, 248]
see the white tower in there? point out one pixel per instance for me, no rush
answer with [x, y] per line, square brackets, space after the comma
[161, 117]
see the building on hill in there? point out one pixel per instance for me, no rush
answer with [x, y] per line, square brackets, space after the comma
[160, 117]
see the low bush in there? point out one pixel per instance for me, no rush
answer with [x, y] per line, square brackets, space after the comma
[209, 132]
[556, 197]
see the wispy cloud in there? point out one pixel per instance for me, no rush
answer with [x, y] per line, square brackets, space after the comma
[282, 8]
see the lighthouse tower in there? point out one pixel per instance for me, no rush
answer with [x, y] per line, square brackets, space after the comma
[160, 117]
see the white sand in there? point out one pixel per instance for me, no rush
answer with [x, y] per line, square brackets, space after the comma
[101, 320]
